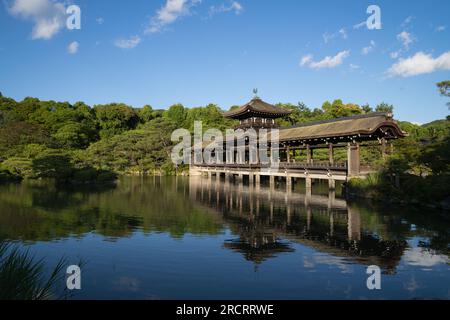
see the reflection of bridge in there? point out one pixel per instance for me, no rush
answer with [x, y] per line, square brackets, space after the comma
[261, 216]
[295, 143]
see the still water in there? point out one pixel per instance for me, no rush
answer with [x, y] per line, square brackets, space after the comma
[194, 238]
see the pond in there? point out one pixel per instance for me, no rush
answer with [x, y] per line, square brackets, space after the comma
[194, 238]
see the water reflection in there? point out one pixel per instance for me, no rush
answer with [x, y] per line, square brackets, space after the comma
[176, 237]
[268, 222]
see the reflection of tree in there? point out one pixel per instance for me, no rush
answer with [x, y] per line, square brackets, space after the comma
[400, 223]
[36, 211]
[366, 236]
[259, 240]
[256, 243]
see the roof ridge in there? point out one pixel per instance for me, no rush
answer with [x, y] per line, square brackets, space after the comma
[360, 116]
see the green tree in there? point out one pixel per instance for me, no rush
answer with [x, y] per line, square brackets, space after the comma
[73, 136]
[338, 109]
[177, 113]
[444, 89]
[115, 118]
[15, 135]
[146, 114]
[384, 107]
[366, 108]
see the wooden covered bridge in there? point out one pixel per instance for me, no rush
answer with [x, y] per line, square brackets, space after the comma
[351, 133]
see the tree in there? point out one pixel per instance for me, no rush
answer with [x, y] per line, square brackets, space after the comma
[338, 109]
[15, 135]
[57, 166]
[444, 89]
[366, 108]
[385, 107]
[73, 136]
[177, 113]
[115, 118]
[146, 113]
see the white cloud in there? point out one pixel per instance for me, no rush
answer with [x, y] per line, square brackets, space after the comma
[420, 63]
[47, 16]
[407, 21]
[327, 37]
[424, 258]
[354, 66]
[360, 25]
[405, 38]
[169, 13]
[73, 47]
[306, 59]
[234, 6]
[395, 54]
[343, 33]
[327, 62]
[441, 28]
[128, 43]
[369, 48]
[100, 20]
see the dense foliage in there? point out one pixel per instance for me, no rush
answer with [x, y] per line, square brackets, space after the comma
[79, 143]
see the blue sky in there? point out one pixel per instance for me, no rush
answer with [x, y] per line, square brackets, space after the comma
[161, 52]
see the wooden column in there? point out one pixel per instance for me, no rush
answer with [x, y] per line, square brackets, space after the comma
[353, 224]
[257, 181]
[330, 154]
[288, 154]
[272, 182]
[353, 161]
[250, 179]
[288, 183]
[331, 184]
[309, 154]
[384, 151]
[308, 183]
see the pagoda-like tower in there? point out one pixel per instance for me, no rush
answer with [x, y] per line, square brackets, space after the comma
[256, 114]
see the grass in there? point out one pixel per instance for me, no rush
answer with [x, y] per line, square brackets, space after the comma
[22, 277]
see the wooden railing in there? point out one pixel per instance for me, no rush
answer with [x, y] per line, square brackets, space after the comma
[282, 165]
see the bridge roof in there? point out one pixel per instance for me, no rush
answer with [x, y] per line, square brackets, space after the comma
[363, 126]
[256, 108]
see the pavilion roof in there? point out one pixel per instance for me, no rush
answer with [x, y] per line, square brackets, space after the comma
[257, 107]
[356, 126]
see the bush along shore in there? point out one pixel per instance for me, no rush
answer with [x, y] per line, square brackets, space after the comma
[427, 192]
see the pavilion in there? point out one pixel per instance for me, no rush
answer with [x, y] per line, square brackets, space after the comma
[349, 132]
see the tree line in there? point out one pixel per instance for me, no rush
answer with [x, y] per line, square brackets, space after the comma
[77, 142]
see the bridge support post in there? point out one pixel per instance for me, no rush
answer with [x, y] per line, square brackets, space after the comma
[272, 182]
[354, 224]
[288, 183]
[353, 161]
[308, 183]
[331, 184]
[257, 180]
[384, 148]
[250, 179]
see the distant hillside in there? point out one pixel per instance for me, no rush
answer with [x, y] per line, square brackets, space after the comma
[437, 123]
